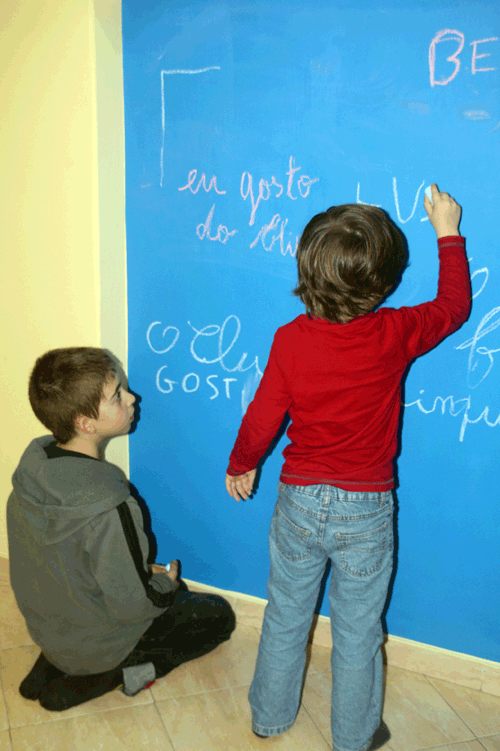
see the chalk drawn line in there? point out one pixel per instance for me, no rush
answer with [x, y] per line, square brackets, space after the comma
[175, 71]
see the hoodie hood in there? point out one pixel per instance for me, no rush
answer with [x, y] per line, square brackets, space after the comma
[61, 495]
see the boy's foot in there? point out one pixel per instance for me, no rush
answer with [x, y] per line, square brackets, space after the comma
[381, 736]
[41, 673]
[71, 690]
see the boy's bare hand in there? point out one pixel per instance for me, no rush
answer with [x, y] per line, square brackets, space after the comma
[240, 485]
[444, 212]
[158, 568]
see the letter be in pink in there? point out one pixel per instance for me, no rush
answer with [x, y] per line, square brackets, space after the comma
[442, 36]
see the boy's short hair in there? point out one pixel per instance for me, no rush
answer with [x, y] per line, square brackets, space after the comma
[66, 383]
[348, 259]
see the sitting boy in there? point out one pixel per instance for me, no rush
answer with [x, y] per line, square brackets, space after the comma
[78, 551]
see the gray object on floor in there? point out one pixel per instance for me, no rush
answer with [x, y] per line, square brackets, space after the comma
[137, 678]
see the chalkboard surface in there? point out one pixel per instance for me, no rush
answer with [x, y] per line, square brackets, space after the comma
[242, 121]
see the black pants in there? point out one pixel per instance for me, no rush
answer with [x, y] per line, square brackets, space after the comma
[194, 625]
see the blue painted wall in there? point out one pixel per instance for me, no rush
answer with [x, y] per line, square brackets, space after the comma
[242, 121]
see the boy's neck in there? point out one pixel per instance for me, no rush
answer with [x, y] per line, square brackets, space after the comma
[82, 446]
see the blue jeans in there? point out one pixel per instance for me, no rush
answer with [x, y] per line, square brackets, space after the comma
[310, 525]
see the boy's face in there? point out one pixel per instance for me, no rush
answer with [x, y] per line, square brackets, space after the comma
[116, 411]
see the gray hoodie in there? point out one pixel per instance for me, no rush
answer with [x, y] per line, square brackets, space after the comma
[78, 560]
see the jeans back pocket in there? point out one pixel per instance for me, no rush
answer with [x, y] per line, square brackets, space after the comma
[292, 541]
[364, 553]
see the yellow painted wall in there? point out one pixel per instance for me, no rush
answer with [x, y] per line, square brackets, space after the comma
[53, 216]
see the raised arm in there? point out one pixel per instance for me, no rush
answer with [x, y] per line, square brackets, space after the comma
[423, 326]
[444, 213]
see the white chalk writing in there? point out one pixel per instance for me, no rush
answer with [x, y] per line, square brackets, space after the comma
[396, 201]
[455, 408]
[210, 345]
[476, 374]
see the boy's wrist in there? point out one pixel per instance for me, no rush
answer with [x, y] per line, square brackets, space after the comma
[450, 234]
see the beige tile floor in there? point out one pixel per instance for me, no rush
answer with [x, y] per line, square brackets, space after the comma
[202, 706]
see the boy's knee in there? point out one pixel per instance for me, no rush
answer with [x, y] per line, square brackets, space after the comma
[219, 607]
[229, 615]
[216, 608]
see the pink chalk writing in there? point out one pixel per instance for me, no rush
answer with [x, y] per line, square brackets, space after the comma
[296, 186]
[444, 36]
[453, 35]
[272, 188]
[202, 182]
[223, 234]
[273, 225]
[475, 56]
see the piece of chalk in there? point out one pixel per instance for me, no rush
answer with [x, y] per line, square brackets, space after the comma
[428, 193]
[168, 566]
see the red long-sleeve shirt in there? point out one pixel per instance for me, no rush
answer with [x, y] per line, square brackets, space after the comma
[341, 385]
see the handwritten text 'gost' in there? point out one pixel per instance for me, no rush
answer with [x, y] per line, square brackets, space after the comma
[294, 187]
[212, 345]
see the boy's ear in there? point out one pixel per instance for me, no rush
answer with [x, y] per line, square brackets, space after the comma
[85, 425]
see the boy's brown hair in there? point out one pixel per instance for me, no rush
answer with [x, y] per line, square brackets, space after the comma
[349, 258]
[66, 383]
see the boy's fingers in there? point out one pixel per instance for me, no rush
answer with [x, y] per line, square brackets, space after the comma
[174, 570]
[240, 490]
[231, 487]
[240, 487]
[247, 481]
[157, 568]
[244, 490]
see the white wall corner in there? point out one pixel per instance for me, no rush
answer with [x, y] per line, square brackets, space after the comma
[110, 126]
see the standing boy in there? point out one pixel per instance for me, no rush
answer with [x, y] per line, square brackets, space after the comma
[337, 371]
[78, 552]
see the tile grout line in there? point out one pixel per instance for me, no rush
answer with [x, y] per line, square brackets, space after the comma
[451, 707]
[6, 705]
[60, 717]
[314, 723]
[447, 745]
[11, 741]
[163, 724]
[439, 678]
[209, 691]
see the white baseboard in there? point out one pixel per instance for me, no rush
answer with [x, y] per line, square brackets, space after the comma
[455, 667]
